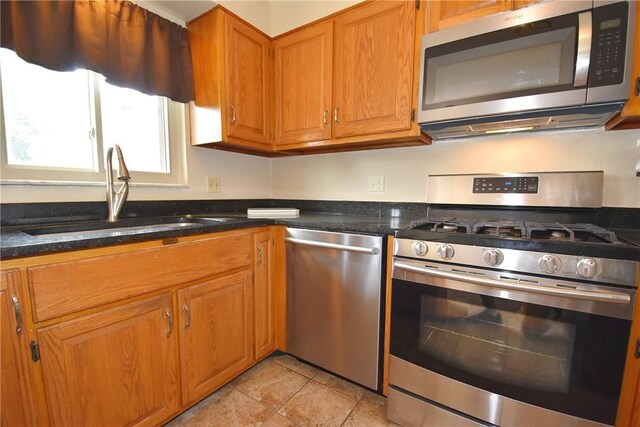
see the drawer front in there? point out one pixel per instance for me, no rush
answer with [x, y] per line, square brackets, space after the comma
[67, 287]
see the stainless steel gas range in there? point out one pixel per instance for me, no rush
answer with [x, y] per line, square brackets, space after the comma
[507, 307]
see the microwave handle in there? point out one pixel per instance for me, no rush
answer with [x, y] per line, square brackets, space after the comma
[583, 55]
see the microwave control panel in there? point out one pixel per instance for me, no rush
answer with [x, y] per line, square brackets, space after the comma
[608, 45]
[518, 185]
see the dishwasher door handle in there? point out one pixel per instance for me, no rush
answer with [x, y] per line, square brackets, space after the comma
[348, 248]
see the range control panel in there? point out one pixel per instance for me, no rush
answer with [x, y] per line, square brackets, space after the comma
[518, 185]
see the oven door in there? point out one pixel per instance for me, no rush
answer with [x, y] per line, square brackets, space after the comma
[502, 355]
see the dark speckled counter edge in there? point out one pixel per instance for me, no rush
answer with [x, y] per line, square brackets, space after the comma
[340, 216]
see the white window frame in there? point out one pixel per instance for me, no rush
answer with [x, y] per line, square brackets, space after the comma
[176, 122]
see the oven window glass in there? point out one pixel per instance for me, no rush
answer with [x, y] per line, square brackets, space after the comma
[562, 360]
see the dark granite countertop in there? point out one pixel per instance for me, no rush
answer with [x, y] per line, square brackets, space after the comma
[22, 241]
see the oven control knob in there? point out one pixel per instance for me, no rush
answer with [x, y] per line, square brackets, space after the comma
[493, 257]
[549, 264]
[420, 248]
[587, 268]
[445, 251]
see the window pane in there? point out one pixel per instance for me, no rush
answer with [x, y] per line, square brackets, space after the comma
[47, 115]
[135, 122]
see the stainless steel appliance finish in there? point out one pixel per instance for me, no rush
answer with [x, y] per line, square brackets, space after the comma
[490, 407]
[586, 89]
[581, 297]
[334, 302]
[552, 189]
[501, 315]
[611, 271]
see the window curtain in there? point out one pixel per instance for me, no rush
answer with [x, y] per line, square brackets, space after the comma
[127, 44]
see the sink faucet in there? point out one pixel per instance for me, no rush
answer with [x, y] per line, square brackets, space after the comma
[116, 199]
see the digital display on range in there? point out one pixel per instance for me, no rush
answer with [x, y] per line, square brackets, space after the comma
[517, 185]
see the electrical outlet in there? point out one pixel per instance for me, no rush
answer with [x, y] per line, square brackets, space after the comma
[213, 184]
[375, 183]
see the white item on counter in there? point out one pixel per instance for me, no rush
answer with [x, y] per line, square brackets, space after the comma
[273, 213]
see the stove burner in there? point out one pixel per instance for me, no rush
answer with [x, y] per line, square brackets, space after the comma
[558, 235]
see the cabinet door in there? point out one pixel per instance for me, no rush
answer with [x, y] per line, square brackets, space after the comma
[373, 82]
[248, 74]
[303, 61]
[18, 388]
[263, 264]
[441, 14]
[216, 338]
[116, 367]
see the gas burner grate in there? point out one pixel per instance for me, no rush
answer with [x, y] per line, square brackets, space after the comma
[518, 229]
[500, 228]
[445, 225]
[570, 232]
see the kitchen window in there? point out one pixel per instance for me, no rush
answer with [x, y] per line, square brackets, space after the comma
[57, 126]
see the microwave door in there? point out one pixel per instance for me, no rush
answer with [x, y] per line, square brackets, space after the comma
[538, 66]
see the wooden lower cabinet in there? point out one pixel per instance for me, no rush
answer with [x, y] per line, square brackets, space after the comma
[215, 333]
[116, 367]
[135, 360]
[263, 294]
[18, 384]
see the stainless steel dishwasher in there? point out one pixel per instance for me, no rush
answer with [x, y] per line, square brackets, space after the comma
[334, 302]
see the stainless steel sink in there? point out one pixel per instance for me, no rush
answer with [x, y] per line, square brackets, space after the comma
[123, 227]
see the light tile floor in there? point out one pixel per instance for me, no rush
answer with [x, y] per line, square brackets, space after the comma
[284, 392]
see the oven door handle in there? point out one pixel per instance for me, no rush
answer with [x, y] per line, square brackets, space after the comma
[611, 297]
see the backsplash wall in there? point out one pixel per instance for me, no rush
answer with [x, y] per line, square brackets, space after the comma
[343, 176]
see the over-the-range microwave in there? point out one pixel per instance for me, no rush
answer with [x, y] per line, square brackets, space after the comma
[553, 65]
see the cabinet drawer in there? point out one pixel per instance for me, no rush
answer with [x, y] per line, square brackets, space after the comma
[67, 287]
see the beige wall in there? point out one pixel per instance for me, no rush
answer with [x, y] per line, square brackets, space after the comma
[344, 176]
[289, 14]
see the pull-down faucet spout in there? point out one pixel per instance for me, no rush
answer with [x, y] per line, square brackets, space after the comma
[116, 199]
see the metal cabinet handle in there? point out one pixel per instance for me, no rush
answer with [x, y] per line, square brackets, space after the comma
[170, 317]
[16, 306]
[259, 255]
[324, 117]
[335, 115]
[187, 322]
[233, 114]
[348, 248]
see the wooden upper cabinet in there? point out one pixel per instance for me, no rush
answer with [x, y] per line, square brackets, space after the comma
[441, 14]
[115, 367]
[233, 74]
[248, 81]
[303, 79]
[373, 65]
[216, 339]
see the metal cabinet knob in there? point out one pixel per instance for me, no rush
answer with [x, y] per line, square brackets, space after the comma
[549, 264]
[445, 251]
[493, 257]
